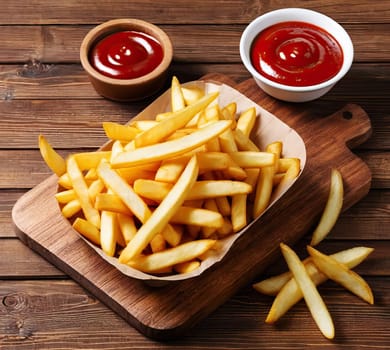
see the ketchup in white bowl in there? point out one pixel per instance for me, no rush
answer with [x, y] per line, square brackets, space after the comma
[126, 55]
[296, 53]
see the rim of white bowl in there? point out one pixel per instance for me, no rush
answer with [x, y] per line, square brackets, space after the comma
[295, 14]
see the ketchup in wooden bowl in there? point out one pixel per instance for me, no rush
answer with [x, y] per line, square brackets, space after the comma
[126, 59]
[126, 55]
[296, 54]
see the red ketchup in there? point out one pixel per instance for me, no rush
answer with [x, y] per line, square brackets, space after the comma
[296, 54]
[126, 55]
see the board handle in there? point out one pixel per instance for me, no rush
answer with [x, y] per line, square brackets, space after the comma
[350, 125]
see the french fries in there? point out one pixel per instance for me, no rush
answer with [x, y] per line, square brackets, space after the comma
[303, 277]
[341, 274]
[165, 190]
[332, 209]
[53, 160]
[313, 299]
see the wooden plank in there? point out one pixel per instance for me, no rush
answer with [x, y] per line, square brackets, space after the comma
[196, 11]
[7, 201]
[220, 44]
[367, 219]
[18, 261]
[37, 80]
[61, 315]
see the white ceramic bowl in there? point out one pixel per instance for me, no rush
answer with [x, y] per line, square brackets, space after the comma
[295, 93]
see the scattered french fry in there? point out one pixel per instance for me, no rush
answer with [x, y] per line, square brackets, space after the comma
[53, 160]
[289, 294]
[332, 209]
[349, 257]
[341, 274]
[313, 299]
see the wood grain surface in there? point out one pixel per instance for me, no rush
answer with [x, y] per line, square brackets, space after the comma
[43, 89]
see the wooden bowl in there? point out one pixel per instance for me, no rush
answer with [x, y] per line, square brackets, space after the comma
[126, 89]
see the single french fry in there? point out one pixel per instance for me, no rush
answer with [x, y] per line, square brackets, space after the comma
[108, 234]
[143, 125]
[154, 190]
[162, 116]
[124, 191]
[53, 160]
[158, 243]
[116, 131]
[285, 164]
[243, 142]
[111, 202]
[263, 190]
[170, 149]
[170, 257]
[197, 216]
[239, 216]
[169, 125]
[81, 190]
[127, 227]
[177, 97]
[209, 204]
[231, 108]
[312, 297]
[332, 209]
[192, 94]
[223, 205]
[89, 160]
[208, 115]
[248, 159]
[64, 181]
[210, 161]
[65, 196]
[287, 291]
[222, 202]
[173, 234]
[246, 121]
[91, 175]
[227, 142]
[187, 266]
[88, 230]
[202, 189]
[71, 208]
[96, 187]
[276, 148]
[341, 274]
[292, 172]
[226, 229]
[171, 169]
[163, 213]
[116, 148]
[264, 185]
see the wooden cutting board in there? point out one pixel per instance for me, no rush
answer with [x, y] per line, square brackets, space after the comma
[168, 311]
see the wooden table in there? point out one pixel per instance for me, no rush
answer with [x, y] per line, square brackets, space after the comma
[43, 89]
